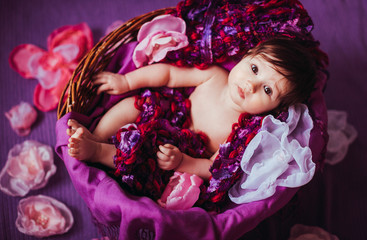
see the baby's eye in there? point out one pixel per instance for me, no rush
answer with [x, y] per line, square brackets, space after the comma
[268, 90]
[254, 68]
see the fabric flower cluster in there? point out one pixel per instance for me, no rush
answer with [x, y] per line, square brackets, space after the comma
[53, 68]
[29, 166]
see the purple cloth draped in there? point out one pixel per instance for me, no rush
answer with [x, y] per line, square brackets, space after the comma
[140, 216]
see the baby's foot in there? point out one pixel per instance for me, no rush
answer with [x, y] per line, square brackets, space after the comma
[74, 126]
[81, 146]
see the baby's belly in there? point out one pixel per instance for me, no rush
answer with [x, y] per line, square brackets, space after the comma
[216, 134]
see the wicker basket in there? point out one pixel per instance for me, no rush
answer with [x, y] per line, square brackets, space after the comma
[79, 96]
[79, 92]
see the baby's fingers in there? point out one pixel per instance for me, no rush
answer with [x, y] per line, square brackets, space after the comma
[103, 88]
[162, 157]
[167, 149]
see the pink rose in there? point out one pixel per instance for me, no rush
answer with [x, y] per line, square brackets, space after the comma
[181, 192]
[156, 38]
[29, 166]
[67, 45]
[43, 216]
[21, 118]
[302, 232]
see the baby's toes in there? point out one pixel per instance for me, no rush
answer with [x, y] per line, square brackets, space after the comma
[78, 134]
[73, 123]
[73, 152]
[73, 144]
[74, 140]
[70, 131]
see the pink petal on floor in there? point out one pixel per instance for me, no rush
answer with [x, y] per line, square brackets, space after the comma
[80, 35]
[44, 99]
[48, 99]
[21, 118]
[46, 68]
[68, 51]
[20, 57]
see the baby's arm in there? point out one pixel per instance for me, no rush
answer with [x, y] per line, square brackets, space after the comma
[171, 158]
[156, 75]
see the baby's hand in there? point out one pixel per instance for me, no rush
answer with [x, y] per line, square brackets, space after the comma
[111, 83]
[169, 157]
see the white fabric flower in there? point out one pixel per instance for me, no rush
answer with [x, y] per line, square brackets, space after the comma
[279, 155]
[341, 135]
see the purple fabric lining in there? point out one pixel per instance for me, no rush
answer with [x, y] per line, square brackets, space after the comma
[135, 214]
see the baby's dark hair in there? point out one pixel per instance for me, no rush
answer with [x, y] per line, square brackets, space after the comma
[294, 62]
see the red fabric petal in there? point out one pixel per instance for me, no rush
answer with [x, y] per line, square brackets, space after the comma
[48, 99]
[80, 35]
[47, 69]
[44, 99]
[20, 58]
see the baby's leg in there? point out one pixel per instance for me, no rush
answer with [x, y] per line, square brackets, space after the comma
[82, 147]
[122, 113]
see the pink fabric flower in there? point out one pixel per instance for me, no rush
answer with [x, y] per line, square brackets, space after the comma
[29, 166]
[156, 38]
[43, 216]
[53, 68]
[303, 232]
[21, 118]
[181, 192]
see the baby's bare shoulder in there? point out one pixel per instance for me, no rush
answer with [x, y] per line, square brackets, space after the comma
[218, 73]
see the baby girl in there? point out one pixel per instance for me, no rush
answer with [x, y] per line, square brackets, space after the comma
[272, 76]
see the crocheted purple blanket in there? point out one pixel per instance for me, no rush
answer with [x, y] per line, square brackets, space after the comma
[164, 118]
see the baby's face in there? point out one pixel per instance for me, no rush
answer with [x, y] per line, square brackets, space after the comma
[255, 86]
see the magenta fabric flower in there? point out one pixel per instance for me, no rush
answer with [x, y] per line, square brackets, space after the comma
[156, 38]
[21, 118]
[182, 191]
[53, 68]
[303, 232]
[29, 166]
[43, 216]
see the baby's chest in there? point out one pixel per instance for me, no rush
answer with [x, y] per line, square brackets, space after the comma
[207, 117]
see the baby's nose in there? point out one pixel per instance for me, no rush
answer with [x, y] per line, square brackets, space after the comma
[250, 87]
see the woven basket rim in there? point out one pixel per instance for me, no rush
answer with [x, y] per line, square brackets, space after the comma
[78, 92]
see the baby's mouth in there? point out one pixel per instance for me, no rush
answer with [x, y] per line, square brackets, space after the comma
[241, 92]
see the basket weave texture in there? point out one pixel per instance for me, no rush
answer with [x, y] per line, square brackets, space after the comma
[79, 92]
